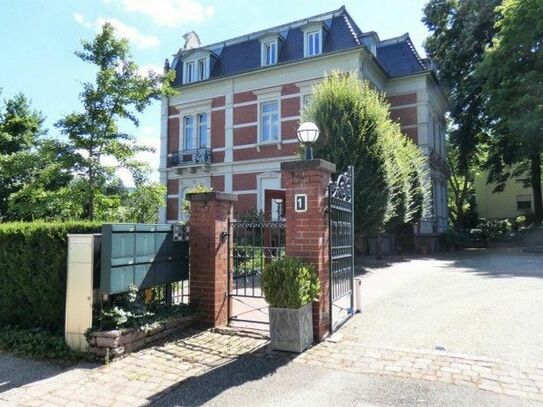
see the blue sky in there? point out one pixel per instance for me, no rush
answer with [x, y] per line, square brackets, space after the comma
[38, 39]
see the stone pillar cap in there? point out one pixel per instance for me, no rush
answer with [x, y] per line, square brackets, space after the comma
[210, 196]
[315, 164]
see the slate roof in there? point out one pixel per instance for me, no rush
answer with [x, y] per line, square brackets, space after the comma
[396, 57]
[399, 57]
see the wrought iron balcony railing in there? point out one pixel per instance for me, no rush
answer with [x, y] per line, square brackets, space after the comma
[199, 156]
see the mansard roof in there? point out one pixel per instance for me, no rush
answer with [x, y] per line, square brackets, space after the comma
[396, 56]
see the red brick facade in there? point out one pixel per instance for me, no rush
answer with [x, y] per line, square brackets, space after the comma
[172, 209]
[245, 202]
[244, 97]
[289, 89]
[173, 135]
[266, 151]
[218, 102]
[217, 129]
[290, 107]
[399, 100]
[245, 114]
[245, 135]
[244, 182]
[289, 129]
[217, 183]
[173, 186]
[405, 116]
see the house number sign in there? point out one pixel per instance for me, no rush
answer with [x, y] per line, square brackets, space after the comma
[300, 201]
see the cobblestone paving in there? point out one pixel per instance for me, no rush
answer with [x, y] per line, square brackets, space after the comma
[141, 377]
[479, 372]
[145, 376]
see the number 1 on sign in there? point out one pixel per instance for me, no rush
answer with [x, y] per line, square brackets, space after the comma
[300, 201]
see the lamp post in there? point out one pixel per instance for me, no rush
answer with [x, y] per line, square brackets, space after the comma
[307, 134]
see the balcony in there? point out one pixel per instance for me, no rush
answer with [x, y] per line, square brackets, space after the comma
[188, 158]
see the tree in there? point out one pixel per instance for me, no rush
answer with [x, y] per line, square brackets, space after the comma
[20, 129]
[356, 129]
[461, 30]
[461, 191]
[118, 93]
[512, 75]
[143, 203]
[45, 178]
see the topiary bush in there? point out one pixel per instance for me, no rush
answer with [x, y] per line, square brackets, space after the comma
[33, 272]
[290, 283]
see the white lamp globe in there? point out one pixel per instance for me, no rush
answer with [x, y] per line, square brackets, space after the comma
[308, 133]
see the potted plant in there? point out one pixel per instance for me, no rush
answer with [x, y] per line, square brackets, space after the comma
[290, 286]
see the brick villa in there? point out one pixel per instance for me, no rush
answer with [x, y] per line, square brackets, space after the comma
[235, 118]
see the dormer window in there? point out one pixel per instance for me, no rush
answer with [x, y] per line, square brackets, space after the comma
[197, 66]
[313, 43]
[270, 44]
[270, 53]
[313, 38]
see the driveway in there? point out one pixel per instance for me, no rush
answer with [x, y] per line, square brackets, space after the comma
[478, 302]
[463, 330]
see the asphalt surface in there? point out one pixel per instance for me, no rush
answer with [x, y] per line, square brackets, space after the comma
[487, 303]
[269, 383]
[16, 372]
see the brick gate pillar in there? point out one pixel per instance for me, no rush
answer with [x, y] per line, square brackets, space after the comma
[209, 213]
[307, 232]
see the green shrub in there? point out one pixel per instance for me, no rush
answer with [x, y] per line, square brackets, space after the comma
[519, 222]
[495, 228]
[33, 272]
[130, 310]
[390, 171]
[37, 343]
[290, 283]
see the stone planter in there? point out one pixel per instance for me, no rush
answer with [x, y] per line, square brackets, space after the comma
[119, 342]
[291, 329]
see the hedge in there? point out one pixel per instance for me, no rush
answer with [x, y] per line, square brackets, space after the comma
[33, 272]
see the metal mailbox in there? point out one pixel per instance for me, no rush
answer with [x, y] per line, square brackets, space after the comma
[144, 255]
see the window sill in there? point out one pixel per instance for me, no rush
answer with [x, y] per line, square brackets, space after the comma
[277, 143]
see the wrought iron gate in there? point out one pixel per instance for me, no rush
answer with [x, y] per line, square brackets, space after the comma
[252, 245]
[341, 248]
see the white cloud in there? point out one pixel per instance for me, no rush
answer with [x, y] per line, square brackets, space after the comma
[169, 13]
[130, 33]
[123, 30]
[81, 19]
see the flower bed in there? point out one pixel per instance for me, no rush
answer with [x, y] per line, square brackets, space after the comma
[118, 342]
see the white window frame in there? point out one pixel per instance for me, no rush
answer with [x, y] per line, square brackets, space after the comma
[202, 69]
[308, 39]
[197, 141]
[192, 127]
[199, 125]
[261, 116]
[266, 46]
[189, 67]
